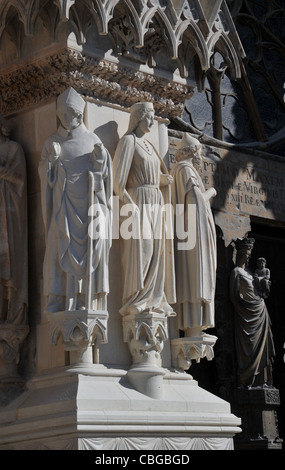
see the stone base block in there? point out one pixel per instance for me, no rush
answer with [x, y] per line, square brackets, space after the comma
[96, 408]
[256, 406]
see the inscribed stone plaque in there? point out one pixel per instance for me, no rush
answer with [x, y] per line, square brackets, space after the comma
[247, 185]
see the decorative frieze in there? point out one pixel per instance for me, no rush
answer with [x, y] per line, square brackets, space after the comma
[120, 51]
[93, 77]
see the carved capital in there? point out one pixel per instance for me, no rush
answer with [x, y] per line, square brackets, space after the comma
[79, 329]
[185, 350]
[145, 333]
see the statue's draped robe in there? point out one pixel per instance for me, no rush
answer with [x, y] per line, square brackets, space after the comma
[253, 336]
[70, 185]
[147, 257]
[13, 232]
[195, 267]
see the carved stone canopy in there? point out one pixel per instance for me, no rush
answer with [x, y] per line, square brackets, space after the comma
[120, 51]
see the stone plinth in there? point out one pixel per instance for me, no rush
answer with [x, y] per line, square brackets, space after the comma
[94, 408]
[256, 407]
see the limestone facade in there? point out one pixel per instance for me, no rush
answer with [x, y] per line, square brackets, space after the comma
[116, 53]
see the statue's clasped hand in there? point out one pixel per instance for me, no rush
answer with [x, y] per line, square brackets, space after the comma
[165, 179]
[97, 150]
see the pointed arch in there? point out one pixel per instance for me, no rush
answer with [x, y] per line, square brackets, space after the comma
[7, 7]
[138, 26]
[220, 42]
[169, 29]
[63, 8]
[30, 16]
[100, 17]
[198, 43]
[109, 7]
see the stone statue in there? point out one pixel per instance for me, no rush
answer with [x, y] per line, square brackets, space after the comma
[13, 231]
[262, 278]
[196, 265]
[76, 175]
[141, 181]
[13, 252]
[253, 336]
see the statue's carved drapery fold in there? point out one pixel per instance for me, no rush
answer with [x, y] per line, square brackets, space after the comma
[195, 256]
[141, 181]
[76, 175]
[196, 262]
[13, 247]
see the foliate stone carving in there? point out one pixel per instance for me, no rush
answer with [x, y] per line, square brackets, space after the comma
[186, 350]
[13, 251]
[145, 334]
[253, 336]
[93, 77]
[195, 256]
[76, 179]
[259, 396]
[141, 181]
[132, 31]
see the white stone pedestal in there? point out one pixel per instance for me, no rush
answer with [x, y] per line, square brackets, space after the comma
[96, 408]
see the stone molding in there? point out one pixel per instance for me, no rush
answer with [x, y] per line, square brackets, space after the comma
[99, 410]
[136, 443]
[93, 77]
